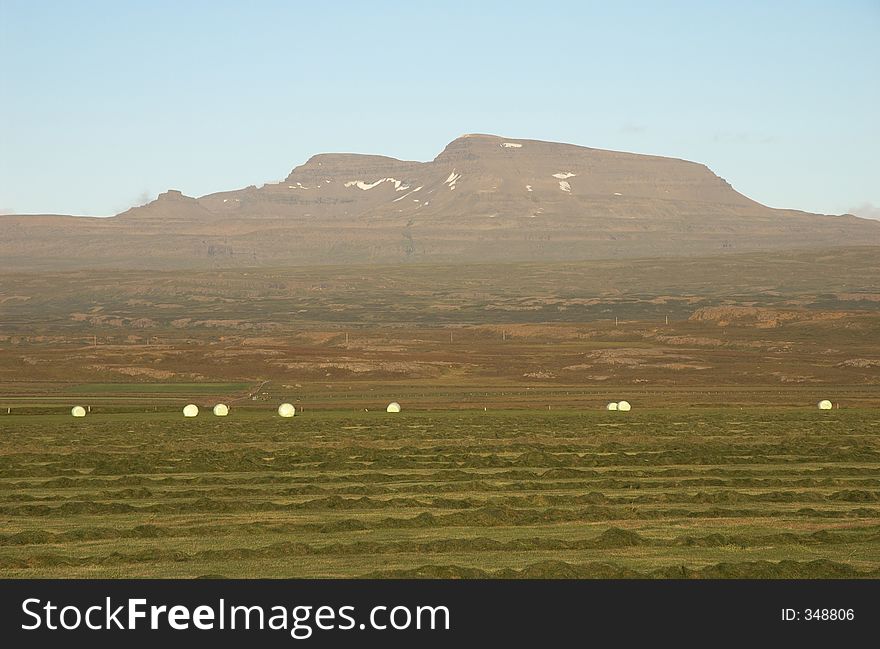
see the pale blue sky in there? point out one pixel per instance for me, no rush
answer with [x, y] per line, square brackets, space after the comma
[104, 102]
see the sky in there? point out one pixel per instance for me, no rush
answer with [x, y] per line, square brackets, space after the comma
[103, 105]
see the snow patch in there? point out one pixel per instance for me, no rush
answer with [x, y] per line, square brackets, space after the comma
[365, 186]
[528, 188]
[452, 179]
[360, 184]
[562, 175]
[400, 198]
[511, 145]
[564, 186]
[618, 194]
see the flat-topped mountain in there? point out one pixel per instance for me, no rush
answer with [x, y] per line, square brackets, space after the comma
[484, 198]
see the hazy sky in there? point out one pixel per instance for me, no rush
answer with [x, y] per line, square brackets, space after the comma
[103, 104]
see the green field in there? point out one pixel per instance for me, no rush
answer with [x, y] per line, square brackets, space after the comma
[724, 468]
[662, 492]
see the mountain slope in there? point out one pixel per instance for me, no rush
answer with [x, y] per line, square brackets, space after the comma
[484, 198]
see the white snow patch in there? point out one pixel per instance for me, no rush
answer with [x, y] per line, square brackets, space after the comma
[511, 145]
[360, 184]
[452, 179]
[562, 175]
[528, 188]
[400, 198]
[564, 186]
[618, 194]
[402, 188]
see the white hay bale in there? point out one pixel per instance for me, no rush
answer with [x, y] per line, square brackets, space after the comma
[78, 411]
[221, 410]
[191, 410]
[611, 406]
[286, 410]
[393, 407]
[624, 406]
[825, 404]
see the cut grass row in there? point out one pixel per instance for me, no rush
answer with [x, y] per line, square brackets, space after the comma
[662, 493]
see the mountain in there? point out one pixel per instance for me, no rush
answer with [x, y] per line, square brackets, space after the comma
[484, 198]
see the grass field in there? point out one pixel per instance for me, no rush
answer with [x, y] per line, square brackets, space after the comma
[724, 468]
[664, 492]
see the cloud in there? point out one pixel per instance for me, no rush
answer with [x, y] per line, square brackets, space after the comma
[866, 210]
[141, 199]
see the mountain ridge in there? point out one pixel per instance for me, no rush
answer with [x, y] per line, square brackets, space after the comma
[483, 197]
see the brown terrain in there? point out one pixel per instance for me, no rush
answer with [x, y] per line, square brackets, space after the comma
[787, 328]
[502, 267]
[483, 199]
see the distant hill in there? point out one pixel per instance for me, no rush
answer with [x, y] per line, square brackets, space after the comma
[484, 198]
